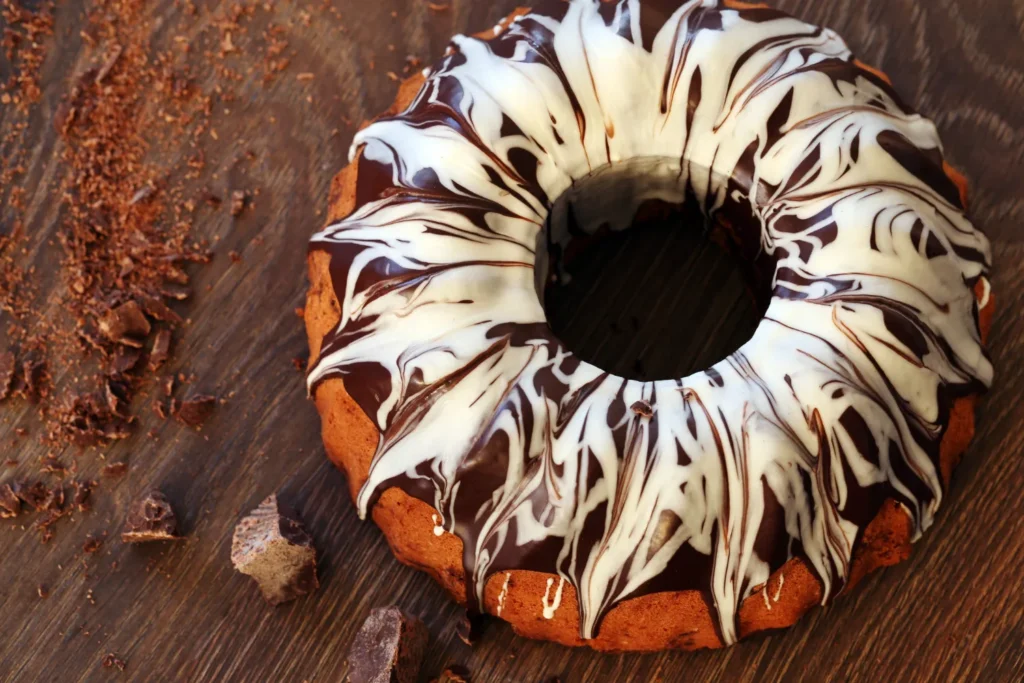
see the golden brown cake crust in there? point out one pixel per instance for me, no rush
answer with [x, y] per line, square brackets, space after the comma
[659, 621]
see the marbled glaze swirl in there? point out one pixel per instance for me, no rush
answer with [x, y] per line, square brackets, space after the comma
[537, 460]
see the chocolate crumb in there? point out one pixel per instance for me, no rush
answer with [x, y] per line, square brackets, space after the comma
[389, 647]
[91, 545]
[238, 200]
[161, 350]
[111, 661]
[125, 359]
[234, 256]
[126, 324]
[54, 466]
[643, 409]
[10, 503]
[194, 411]
[273, 547]
[43, 591]
[7, 364]
[150, 519]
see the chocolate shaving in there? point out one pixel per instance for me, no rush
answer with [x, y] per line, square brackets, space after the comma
[389, 646]
[150, 519]
[161, 350]
[158, 310]
[111, 661]
[126, 324]
[54, 466]
[125, 358]
[10, 503]
[273, 547]
[195, 411]
[238, 199]
[7, 365]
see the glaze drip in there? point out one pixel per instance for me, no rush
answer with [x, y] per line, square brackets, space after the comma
[825, 181]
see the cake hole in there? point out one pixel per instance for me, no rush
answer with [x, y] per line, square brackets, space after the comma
[652, 299]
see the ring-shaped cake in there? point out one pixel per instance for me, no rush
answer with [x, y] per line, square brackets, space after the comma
[589, 508]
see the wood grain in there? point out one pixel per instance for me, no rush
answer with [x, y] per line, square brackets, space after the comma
[954, 612]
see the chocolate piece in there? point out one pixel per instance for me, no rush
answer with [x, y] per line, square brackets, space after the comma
[158, 310]
[54, 466]
[113, 661]
[195, 411]
[161, 350]
[150, 519]
[91, 545]
[10, 503]
[125, 358]
[237, 203]
[32, 376]
[272, 547]
[389, 648]
[43, 591]
[126, 324]
[7, 363]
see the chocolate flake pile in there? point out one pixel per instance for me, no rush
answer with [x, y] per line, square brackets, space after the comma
[273, 547]
[389, 648]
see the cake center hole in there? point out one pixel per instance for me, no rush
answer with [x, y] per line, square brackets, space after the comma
[634, 284]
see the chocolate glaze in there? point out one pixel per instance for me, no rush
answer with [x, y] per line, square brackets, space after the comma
[824, 182]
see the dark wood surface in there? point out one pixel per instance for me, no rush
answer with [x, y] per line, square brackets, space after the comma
[177, 612]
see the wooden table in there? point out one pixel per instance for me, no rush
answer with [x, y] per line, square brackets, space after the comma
[178, 612]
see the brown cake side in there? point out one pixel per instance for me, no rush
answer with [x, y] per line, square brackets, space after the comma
[678, 620]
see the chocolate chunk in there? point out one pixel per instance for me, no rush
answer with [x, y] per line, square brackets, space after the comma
[237, 203]
[150, 519]
[7, 363]
[643, 409]
[389, 648]
[272, 547]
[112, 661]
[10, 503]
[126, 324]
[195, 411]
[125, 358]
[161, 350]
[158, 310]
[33, 375]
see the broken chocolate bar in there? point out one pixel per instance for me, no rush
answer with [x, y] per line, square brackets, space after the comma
[389, 648]
[150, 519]
[272, 547]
